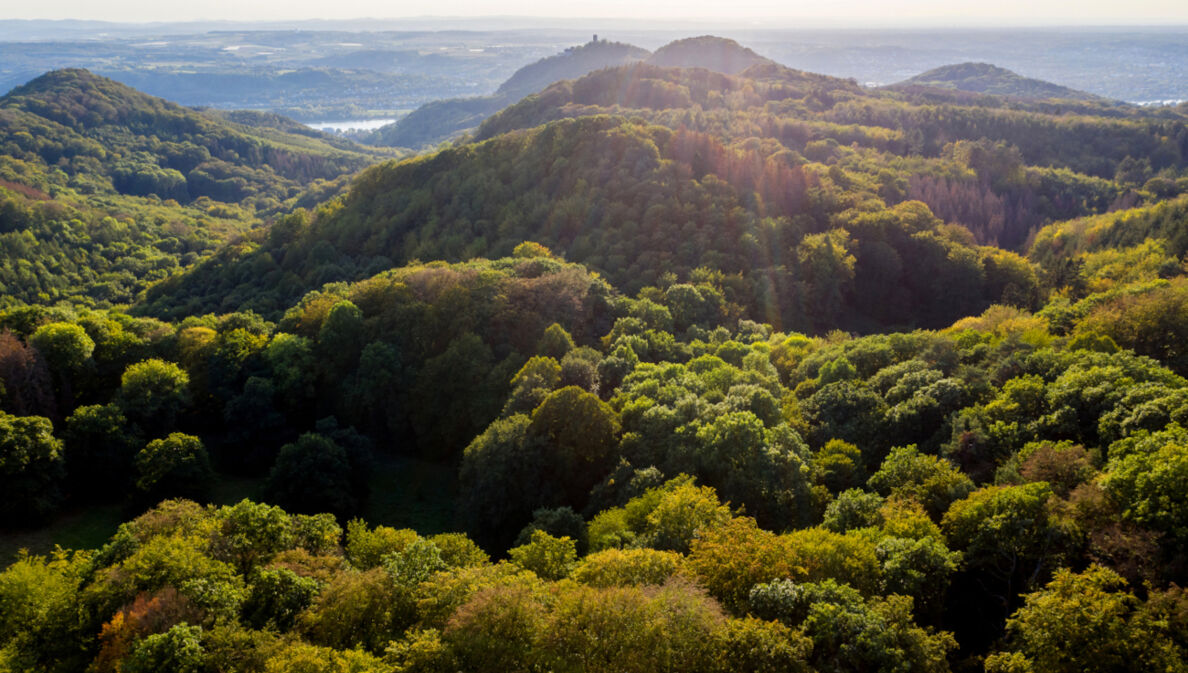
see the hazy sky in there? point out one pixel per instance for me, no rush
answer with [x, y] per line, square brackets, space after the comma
[788, 12]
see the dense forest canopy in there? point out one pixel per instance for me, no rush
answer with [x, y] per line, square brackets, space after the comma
[763, 371]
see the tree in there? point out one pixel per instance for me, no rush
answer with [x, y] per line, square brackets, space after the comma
[848, 411]
[353, 610]
[178, 650]
[176, 466]
[628, 630]
[918, 568]
[98, 451]
[582, 433]
[559, 522]
[1010, 533]
[851, 633]
[627, 567]
[929, 480]
[535, 380]
[759, 646]
[31, 468]
[730, 559]
[313, 475]
[555, 342]
[503, 481]
[253, 532]
[299, 657]
[1090, 622]
[39, 602]
[27, 386]
[66, 347]
[276, 597]
[152, 394]
[366, 548]
[853, 508]
[840, 465]
[1150, 483]
[340, 340]
[764, 470]
[294, 372]
[551, 558]
[455, 395]
[494, 631]
[673, 516]
[253, 425]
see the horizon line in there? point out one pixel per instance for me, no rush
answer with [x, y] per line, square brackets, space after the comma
[783, 22]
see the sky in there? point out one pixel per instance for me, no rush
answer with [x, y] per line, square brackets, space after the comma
[779, 12]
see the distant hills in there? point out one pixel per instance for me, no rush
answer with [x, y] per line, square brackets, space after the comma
[441, 120]
[570, 64]
[985, 78]
[709, 52]
[433, 122]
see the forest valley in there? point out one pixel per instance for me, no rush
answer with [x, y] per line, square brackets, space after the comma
[750, 371]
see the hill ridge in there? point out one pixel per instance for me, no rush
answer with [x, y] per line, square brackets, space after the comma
[988, 78]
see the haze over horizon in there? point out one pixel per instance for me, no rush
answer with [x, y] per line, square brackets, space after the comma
[836, 13]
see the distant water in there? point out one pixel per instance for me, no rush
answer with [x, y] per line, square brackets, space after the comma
[347, 124]
[1158, 103]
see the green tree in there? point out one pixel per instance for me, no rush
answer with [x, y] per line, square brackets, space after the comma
[551, 558]
[851, 633]
[353, 610]
[558, 522]
[31, 468]
[253, 532]
[98, 451]
[313, 475]
[39, 601]
[853, 508]
[176, 466]
[340, 340]
[535, 380]
[554, 343]
[276, 597]
[1090, 622]
[1150, 483]
[152, 394]
[1010, 533]
[178, 650]
[931, 481]
[627, 567]
[582, 433]
[65, 346]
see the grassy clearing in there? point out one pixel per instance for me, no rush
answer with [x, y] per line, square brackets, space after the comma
[405, 493]
[411, 493]
[90, 526]
[84, 528]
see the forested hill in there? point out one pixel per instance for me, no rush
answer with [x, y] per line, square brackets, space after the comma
[440, 120]
[990, 79]
[821, 203]
[104, 189]
[100, 130]
[570, 64]
[707, 51]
